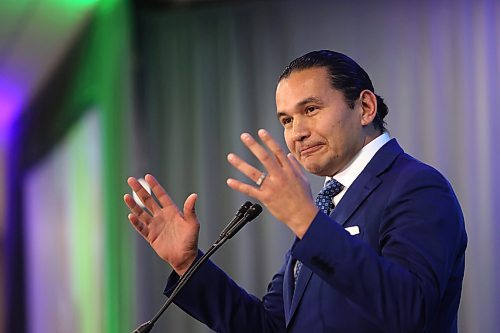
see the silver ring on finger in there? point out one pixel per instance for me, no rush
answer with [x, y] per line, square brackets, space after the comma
[261, 179]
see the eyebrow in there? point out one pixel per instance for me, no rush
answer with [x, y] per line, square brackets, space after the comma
[308, 100]
[303, 102]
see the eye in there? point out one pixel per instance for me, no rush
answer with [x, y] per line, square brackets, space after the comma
[286, 120]
[311, 108]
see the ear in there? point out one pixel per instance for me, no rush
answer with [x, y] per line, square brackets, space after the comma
[368, 107]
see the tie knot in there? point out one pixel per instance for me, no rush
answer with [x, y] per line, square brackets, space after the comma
[332, 188]
[324, 200]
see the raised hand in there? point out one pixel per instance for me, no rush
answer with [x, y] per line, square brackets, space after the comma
[283, 189]
[171, 233]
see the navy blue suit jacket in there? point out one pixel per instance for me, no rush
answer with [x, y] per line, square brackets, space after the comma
[402, 273]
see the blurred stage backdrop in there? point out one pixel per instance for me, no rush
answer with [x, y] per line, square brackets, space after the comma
[92, 91]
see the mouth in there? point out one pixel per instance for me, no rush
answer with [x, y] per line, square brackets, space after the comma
[309, 150]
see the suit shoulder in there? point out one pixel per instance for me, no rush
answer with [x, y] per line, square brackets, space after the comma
[409, 177]
[407, 167]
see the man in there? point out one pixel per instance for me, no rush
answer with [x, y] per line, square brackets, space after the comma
[380, 250]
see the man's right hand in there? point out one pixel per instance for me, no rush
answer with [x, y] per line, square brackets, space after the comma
[171, 233]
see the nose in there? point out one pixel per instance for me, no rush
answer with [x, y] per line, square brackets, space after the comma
[300, 129]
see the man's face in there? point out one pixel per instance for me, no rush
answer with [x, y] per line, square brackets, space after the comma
[321, 131]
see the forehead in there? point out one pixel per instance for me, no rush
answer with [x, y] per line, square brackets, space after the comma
[301, 85]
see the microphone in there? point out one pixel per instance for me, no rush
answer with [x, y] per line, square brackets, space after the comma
[250, 214]
[245, 214]
[239, 215]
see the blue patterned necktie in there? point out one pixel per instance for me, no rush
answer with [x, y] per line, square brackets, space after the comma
[324, 201]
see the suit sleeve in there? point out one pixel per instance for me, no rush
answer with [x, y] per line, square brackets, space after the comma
[214, 299]
[399, 283]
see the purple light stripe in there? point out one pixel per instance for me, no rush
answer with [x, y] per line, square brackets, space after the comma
[11, 100]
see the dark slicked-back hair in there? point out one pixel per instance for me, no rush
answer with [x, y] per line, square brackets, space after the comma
[345, 75]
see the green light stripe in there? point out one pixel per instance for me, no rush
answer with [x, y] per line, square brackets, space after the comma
[86, 230]
[112, 40]
[103, 81]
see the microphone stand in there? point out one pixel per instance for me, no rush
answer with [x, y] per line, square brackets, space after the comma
[244, 215]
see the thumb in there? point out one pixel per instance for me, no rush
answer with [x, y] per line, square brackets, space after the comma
[189, 206]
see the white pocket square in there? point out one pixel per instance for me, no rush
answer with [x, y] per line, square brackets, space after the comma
[353, 230]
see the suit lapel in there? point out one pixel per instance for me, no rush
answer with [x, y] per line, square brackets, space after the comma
[288, 289]
[303, 280]
[291, 297]
[366, 182]
[354, 197]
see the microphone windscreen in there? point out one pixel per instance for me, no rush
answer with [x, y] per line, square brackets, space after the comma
[253, 212]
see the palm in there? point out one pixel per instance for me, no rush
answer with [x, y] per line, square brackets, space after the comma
[173, 237]
[171, 233]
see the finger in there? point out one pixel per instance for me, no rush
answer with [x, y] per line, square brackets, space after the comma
[159, 192]
[135, 209]
[189, 207]
[295, 164]
[274, 147]
[138, 225]
[143, 195]
[267, 160]
[245, 168]
[243, 188]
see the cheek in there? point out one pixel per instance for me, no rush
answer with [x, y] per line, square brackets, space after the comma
[288, 141]
[338, 132]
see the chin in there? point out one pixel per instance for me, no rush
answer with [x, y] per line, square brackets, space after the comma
[315, 169]
[319, 169]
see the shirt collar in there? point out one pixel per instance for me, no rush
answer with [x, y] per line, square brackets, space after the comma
[352, 170]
